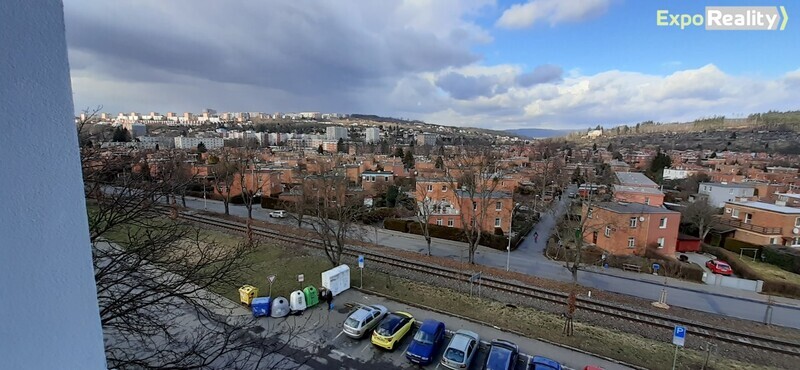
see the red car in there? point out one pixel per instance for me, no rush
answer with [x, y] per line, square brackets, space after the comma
[719, 267]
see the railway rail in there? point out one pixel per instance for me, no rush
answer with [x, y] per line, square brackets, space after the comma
[604, 308]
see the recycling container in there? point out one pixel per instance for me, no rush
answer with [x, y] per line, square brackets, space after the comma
[247, 293]
[261, 306]
[312, 296]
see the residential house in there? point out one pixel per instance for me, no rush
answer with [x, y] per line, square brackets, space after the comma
[376, 181]
[763, 223]
[639, 194]
[623, 228]
[719, 193]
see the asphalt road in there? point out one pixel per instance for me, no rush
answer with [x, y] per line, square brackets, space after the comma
[529, 259]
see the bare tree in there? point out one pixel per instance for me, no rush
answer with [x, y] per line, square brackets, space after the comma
[424, 207]
[474, 178]
[88, 115]
[701, 215]
[334, 214]
[251, 188]
[574, 232]
[154, 278]
[224, 173]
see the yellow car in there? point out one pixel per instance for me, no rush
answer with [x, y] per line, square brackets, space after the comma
[392, 329]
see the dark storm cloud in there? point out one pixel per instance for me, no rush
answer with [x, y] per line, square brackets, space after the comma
[545, 73]
[468, 87]
[302, 49]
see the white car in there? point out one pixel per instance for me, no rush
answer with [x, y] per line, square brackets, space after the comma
[461, 350]
[277, 214]
[361, 321]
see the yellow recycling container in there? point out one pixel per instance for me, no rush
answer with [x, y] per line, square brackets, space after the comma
[247, 293]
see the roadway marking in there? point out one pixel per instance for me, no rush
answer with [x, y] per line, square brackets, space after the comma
[309, 341]
[337, 336]
[365, 347]
[339, 353]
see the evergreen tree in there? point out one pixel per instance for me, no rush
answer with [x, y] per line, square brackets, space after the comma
[408, 159]
[201, 148]
[398, 152]
[439, 162]
[121, 135]
[340, 146]
[594, 147]
[610, 147]
[157, 147]
[569, 152]
[320, 150]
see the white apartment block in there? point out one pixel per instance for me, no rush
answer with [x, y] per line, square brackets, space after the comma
[183, 142]
[372, 135]
[335, 133]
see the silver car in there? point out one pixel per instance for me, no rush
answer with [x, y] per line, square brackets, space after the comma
[461, 350]
[364, 319]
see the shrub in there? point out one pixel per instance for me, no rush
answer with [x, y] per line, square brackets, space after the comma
[271, 203]
[740, 267]
[498, 242]
[736, 246]
[376, 215]
[396, 224]
[786, 258]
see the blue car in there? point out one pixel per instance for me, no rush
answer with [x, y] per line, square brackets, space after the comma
[502, 355]
[543, 363]
[426, 342]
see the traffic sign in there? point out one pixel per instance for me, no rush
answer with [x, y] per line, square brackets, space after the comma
[656, 267]
[271, 279]
[360, 261]
[679, 336]
[300, 278]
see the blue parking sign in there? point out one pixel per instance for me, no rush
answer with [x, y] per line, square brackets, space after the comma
[361, 261]
[679, 335]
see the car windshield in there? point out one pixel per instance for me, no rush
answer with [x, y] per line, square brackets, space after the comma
[423, 337]
[543, 367]
[454, 355]
[351, 322]
[723, 265]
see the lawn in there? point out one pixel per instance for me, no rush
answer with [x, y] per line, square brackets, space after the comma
[772, 271]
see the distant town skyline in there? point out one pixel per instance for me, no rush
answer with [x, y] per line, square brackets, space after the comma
[481, 63]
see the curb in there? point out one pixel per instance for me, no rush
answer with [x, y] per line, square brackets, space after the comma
[497, 327]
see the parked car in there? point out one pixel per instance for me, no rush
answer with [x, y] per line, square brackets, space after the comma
[426, 342]
[362, 320]
[277, 214]
[502, 355]
[543, 363]
[719, 267]
[392, 329]
[461, 350]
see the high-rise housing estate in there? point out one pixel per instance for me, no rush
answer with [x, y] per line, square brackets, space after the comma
[335, 133]
[372, 135]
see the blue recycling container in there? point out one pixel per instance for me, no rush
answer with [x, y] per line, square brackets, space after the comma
[261, 306]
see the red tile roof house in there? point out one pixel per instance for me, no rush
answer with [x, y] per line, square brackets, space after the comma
[623, 228]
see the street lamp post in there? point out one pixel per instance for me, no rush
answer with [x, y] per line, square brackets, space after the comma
[510, 232]
[205, 202]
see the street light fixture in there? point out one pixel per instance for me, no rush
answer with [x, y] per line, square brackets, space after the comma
[510, 232]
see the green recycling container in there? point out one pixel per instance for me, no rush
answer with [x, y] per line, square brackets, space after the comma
[312, 296]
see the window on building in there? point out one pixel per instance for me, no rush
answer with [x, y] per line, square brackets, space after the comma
[796, 241]
[797, 222]
[660, 243]
[589, 213]
[373, 178]
[607, 233]
[632, 222]
[385, 178]
[647, 200]
[474, 206]
[663, 223]
[439, 222]
[748, 217]
[450, 223]
[735, 213]
[430, 187]
[497, 222]
[444, 187]
[498, 206]
[631, 242]
[773, 240]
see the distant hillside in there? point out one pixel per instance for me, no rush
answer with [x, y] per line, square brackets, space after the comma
[537, 133]
[376, 118]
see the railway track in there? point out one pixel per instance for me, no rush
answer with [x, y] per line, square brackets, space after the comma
[627, 313]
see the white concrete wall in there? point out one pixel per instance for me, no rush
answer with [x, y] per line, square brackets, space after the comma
[48, 302]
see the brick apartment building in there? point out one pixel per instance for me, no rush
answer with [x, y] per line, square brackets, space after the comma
[623, 228]
[764, 223]
[376, 181]
[449, 207]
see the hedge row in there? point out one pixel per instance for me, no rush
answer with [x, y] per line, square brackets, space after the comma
[592, 255]
[787, 258]
[771, 285]
[736, 246]
[498, 242]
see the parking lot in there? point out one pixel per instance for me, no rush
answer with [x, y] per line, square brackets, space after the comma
[329, 345]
